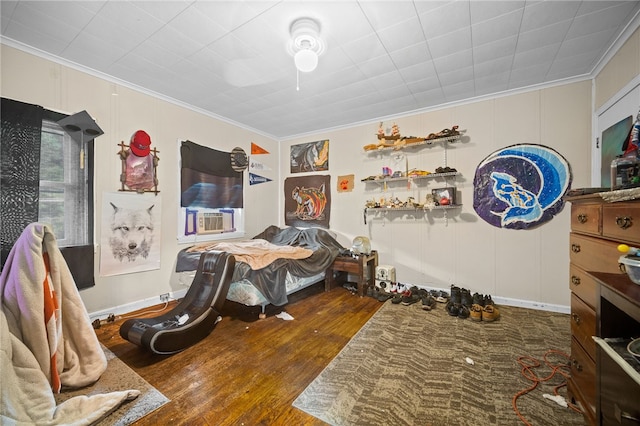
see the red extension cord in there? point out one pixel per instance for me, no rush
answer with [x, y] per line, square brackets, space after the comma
[528, 364]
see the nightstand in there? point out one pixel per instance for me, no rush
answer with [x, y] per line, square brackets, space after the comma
[363, 266]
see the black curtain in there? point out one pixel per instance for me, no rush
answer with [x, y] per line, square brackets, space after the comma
[207, 178]
[19, 170]
[20, 184]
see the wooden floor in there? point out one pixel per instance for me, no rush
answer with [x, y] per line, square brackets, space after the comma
[249, 371]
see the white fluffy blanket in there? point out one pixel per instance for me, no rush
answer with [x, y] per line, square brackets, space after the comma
[46, 339]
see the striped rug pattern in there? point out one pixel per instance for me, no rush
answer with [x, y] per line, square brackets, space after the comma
[408, 366]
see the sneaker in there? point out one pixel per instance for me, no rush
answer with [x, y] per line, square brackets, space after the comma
[383, 296]
[442, 296]
[490, 313]
[488, 300]
[428, 302]
[397, 298]
[409, 298]
[475, 312]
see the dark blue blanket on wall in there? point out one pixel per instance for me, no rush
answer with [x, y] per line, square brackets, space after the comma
[270, 280]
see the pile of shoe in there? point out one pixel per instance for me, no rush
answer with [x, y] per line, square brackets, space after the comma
[478, 307]
[407, 297]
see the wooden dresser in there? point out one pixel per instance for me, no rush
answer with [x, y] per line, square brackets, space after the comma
[597, 228]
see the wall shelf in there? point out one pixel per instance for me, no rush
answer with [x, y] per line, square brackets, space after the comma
[405, 179]
[398, 145]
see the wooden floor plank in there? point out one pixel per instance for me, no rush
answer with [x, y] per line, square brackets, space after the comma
[248, 371]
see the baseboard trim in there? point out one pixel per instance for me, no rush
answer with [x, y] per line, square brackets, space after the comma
[152, 301]
[135, 306]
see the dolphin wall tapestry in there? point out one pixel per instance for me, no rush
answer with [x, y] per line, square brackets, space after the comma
[307, 201]
[521, 186]
[310, 157]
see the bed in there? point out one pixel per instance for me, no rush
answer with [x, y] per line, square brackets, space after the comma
[270, 266]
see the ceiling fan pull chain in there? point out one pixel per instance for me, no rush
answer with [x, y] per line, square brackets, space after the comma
[297, 79]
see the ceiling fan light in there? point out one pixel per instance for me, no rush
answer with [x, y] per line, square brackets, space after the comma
[306, 60]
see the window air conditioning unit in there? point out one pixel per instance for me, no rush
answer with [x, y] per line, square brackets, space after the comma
[214, 223]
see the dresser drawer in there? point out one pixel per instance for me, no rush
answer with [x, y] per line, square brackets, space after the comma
[586, 218]
[619, 393]
[593, 254]
[583, 375]
[583, 325]
[621, 221]
[582, 285]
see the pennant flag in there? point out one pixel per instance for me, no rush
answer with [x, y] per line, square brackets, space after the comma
[255, 179]
[256, 165]
[255, 149]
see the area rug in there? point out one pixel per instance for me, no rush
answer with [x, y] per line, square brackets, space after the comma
[408, 366]
[118, 376]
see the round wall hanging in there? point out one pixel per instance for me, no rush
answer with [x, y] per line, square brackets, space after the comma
[521, 186]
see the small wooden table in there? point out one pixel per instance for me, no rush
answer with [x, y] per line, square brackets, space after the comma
[364, 266]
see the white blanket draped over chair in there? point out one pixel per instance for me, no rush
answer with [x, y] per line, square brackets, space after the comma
[47, 342]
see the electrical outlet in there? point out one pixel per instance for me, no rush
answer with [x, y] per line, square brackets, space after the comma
[164, 297]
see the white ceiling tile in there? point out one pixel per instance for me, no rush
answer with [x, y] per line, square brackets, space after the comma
[492, 83]
[496, 66]
[543, 13]
[411, 55]
[450, 42]
[456, 92]
[596, 42]
[175, 41]
[505, 47]
[427, 84]
[196, 26]
[456, 76]
[503, 26]
[605, 19]
[454, 61]
[388, 14]
[447, 17]
[402, 34]
[551, 34]
[376, 66]
[416, 72]
[485, 10]
[230, 58]
[364, 48]
[31, 36]
[535, 56]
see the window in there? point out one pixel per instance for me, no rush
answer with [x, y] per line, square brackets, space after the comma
[63, 187]
[43, 181]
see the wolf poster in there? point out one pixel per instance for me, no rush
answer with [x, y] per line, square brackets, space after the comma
[130, 233]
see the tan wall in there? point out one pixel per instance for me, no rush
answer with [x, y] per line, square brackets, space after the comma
[120, 111]
[435, 251]
[623, 67]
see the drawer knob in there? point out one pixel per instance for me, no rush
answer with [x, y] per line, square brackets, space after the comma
[576, 365]
[575, 248]
[582, 218]
[575, 280]
[576, 318]
[623, 222]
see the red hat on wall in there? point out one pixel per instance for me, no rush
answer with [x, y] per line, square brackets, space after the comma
[140, 143]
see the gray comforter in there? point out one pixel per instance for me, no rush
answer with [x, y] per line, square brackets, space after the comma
[270, 280]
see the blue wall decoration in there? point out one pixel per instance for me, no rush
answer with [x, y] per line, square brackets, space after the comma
[521, 186]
